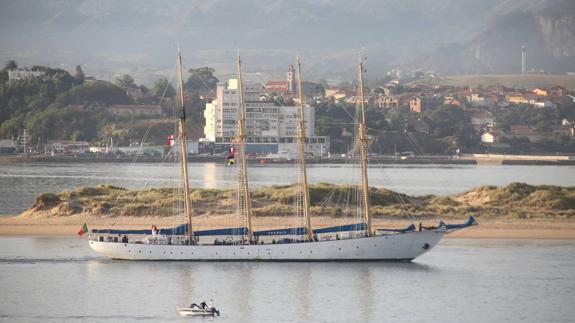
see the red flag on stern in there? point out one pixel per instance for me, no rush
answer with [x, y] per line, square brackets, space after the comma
[83, 229]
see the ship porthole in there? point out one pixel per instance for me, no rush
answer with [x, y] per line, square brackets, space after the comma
[357, 247]
[150, 251]
[129, 250]
[181, 253]
[375, 245]
[339, 249]
[140, 251]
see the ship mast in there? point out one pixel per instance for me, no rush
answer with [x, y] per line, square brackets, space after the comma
[363, 150]
[246, 203]
[184, 153]
[302, 165]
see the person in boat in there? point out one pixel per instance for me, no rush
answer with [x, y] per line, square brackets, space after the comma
[203, 305]
[154, 230]
[212, 309]
[422, 227]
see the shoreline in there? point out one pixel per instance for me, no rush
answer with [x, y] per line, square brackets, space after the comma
[487, 229]
[544, 160]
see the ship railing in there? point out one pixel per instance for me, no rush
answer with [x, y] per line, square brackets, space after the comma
[159, 239]
[141, 239]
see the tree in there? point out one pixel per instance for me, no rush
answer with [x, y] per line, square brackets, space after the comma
[163, 88]
[202, 79]
[11, 65]
[77, 135]
[451, 121]
[100, 92]
[541, 118]
[398, 120]
[80, 77]
[125, 81]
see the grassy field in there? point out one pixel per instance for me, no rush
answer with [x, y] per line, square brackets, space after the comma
[527, 81]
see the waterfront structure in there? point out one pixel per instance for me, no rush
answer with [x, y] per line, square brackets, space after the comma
[61, 147]
[270, 128]
[7, 146]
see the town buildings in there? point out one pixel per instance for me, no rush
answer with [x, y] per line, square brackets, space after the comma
[271, 129]
[287, 86]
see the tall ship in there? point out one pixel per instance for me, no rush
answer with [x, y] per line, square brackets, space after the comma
[352, 242]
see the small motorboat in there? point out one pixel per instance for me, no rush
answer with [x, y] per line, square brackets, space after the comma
[199, 310]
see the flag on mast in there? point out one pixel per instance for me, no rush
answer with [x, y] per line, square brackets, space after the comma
[171, 140]
[232, 155]
[83, 229]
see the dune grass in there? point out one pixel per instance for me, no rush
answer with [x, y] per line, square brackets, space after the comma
[514, 201]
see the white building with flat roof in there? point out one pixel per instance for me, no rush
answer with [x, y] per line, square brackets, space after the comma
[270, 128]
[16, 75]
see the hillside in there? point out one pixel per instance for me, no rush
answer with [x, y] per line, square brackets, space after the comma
[514, 201]
[526, 81]
[139, 38]
[548, 35]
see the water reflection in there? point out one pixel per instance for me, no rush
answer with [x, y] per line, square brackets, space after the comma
[366, 297]
[187, 285]
[241, 289]
[209, 172]
[303, 286]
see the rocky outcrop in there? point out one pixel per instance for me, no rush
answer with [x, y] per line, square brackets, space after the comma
[548, 35]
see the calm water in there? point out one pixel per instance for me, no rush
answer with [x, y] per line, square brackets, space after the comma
[61, 279]
[21, 183]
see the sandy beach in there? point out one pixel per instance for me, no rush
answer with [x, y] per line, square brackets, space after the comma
[493, 229]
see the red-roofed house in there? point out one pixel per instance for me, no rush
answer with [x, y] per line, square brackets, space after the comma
[277, 87]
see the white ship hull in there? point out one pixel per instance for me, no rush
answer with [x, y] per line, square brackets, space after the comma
[403, 246]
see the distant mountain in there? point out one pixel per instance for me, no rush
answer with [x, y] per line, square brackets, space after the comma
[111, 37]
[548, 35]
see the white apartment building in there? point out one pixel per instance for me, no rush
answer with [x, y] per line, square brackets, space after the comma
[270, 129]
[15, 75]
